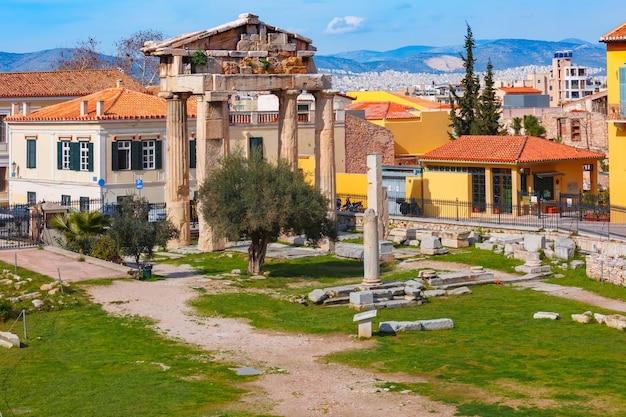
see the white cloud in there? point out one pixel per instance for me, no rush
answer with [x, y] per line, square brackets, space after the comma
[344, 24]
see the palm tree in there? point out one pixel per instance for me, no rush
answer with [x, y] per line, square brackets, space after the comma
[80, 229]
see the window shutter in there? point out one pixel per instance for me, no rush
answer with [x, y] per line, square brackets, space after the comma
[59, 155]
[622, 91]
[74, 156]
[90, 156]
[31, 153]
[114, 158]
[135, 155]
[158, 154]
[192, 153]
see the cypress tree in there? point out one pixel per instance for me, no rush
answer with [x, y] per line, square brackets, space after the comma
[487, 120]
[463, 109]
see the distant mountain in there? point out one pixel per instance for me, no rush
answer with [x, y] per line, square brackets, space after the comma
[504, 53]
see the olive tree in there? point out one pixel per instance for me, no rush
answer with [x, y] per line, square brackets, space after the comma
[253, 199]
[134, 234]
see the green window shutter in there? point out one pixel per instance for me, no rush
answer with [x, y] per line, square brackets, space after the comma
[192, 153]
[158, 154]
[622, 91]
[135, 155]
[90, 160]
[114, 158]
[74, 156]
[59, 155]
[31, 153]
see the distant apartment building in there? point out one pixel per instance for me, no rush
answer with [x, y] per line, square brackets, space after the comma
[568, 82]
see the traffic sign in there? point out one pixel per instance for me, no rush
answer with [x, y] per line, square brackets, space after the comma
[139, 184]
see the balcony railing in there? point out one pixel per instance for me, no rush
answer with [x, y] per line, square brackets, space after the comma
[259, 118]
[617, 111]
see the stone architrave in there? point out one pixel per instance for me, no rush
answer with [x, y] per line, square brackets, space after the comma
[371, 262]
[177, 163]
[212, 143]
[325, 164]
[288, 126]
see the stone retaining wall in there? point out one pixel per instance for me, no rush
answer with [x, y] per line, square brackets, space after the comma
[607, 269]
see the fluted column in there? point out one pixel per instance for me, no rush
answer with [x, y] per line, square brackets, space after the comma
[212, 140]
[177, 168]
[288, 126]
[325, 157]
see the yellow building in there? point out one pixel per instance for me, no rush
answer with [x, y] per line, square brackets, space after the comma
[418, 125]
[504, 174]
[616, 83]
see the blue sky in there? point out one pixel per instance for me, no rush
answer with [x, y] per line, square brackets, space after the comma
[333, 25]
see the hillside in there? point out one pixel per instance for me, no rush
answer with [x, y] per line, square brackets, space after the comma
[504, 54]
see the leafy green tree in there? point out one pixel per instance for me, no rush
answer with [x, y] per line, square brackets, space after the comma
[463, 109]
[532, 126]
[517, 125]
[251, 198]
[80, 229]
[134, 234]
[488, 108]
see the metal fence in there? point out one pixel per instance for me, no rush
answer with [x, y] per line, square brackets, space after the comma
[579, 215]
[19, 227]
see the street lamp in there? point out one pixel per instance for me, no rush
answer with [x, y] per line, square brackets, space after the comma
[13, 168]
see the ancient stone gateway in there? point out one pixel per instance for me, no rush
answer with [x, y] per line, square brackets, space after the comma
[209, 66]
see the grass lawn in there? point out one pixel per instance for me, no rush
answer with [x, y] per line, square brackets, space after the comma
[78, 361]
[497, 361]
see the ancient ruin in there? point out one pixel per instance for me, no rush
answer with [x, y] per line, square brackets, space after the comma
[209, 66]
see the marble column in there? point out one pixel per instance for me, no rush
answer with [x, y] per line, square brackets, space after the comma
[325, 154]
[177, 168]
[212, 144]
[376, 197]
[288, 126]
[371, 256]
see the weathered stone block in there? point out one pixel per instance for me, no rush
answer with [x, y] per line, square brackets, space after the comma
[430, 242]
[437, 324]
[459, 291]
[546, 315]
[563, 252]
[534, 243]
[10, 338]
[616, 321]
[317, 296]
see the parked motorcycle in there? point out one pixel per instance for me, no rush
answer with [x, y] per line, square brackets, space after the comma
[356, 207]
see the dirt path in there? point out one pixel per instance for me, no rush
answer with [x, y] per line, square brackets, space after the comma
[295, 382]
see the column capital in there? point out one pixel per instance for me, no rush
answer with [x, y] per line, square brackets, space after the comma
[287, 93]
[325, 93]
[170, 95]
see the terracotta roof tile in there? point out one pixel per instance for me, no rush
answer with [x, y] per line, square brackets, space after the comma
[520, 90]
[379, 110]
[119, 103]
[62, 83]
[616, 35]
[507, 149]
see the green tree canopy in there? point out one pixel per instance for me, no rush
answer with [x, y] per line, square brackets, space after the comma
[463, 109]
[488, 108]
[517, 125]
[532, 126]
[134, 234]
[251, 198]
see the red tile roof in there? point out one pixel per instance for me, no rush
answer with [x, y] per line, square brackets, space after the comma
[62, 83]
[507, 150]
[520, 90]
[119, 103]
[379, 110]
[616, 35]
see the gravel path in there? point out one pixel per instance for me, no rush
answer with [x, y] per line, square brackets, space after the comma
[295, 381]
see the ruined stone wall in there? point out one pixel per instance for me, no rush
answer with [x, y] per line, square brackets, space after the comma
[363, 138]
[606, 269]
[592, 127]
